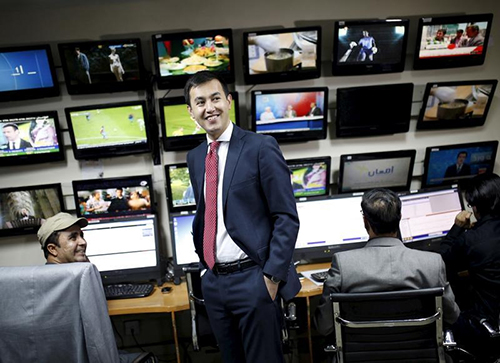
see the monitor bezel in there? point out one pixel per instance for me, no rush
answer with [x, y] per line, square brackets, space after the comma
[187, 142]
[287, 76]
[452, 124]
[428, 150]
[382, 155]
[173, 215]
[171, 207]
[108, 151]
[5, 232]
[360, 69]
[32, 93]
[178, 81]
[451, 61]
[293, 136]
[324, 159]
[36, 158]
[94, 88]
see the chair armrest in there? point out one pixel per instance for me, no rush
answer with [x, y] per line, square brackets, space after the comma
[197, 300]
[489, 328]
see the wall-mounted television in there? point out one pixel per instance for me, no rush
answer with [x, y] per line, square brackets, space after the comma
[27, 72]
[374, 110]
[182, 238]
[310, 177]
[180, 193]
[30, 138]
[281, 55]
[114, 197]
[456, 104]
[177, 56]
[103, 66]
[179, 130]
[362, 172]
[369, 46]
[450, 164]
[452, 41]
[297, 114]
[108, 130]
[24, 209]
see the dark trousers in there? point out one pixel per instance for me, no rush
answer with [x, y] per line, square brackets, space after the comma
[244, 319]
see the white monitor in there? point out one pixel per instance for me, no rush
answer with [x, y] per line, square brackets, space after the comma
[182, 238]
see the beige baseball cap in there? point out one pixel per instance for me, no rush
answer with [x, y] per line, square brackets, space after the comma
[58, 222]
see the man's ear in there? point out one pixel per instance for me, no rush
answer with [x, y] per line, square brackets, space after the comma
[367, 225]
[230, 100]
[190, 110]
[51, 248]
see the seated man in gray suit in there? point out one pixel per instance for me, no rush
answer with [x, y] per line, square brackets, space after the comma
[384, 264]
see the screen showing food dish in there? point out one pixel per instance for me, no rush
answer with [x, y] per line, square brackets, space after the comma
[179, 130]
[103, 66]
[180, 192]
[30, 138]
[455, 41]
[456, 104]
[108, 130]
[291, 114]
[374, 110]
[179, 55]
[370, 46]
[24, 209]
[450, 164]
[282, 55]
[310, 177]
[27, 72]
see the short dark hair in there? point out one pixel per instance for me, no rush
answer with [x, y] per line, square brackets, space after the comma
[53, 239]
[460, 31]
[382, 209]
[474, 26]
[483, 192]
[462, 152]
[200, 78]
[443, 30]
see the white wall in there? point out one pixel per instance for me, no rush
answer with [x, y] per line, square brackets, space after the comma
[56, 21]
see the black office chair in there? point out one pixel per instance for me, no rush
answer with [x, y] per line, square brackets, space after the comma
[400, 326]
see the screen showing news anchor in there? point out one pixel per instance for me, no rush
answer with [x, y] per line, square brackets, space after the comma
[309, 177]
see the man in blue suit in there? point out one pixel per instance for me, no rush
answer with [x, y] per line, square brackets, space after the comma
[245, 226]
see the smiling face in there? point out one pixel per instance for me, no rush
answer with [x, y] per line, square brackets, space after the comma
[210, 107]
[72, 246]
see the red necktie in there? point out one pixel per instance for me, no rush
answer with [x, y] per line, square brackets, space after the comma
[212, 177]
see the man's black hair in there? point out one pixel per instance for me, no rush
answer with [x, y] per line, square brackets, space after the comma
[53, 239]
[483, 192]
[200, 78]
[462, 152]
[382, 209]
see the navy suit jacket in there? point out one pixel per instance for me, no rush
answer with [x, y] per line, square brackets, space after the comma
[259, 208]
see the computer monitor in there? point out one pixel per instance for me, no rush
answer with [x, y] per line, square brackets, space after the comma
[329, 225]
[452, 41]
[180, 193]
[290, 115]
[24, 209]
[27, 72]
[103, 66]
[361, 172]
[374, 110]
[124, 249]
[114, 197]
[369, 46]
[281, 55]
[428, 214]
[179, 130]
[456, 104]
[310, 176]
[177, 56]
[182, 238]
[30, 138]
[450, 164]
[108, 130]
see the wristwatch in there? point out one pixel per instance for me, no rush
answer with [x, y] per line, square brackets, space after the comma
[273, 279]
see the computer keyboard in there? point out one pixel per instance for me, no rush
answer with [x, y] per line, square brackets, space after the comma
[127, 291]
[320, 276]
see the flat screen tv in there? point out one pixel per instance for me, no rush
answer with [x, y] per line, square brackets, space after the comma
[369, 46]
[114, 197]
[24, 209]
[282, 55]
[30, 138]
[456, 104]
[180, 194]
[362, 172]
[182, 238]
[310, 177]
[452, 41]
[27, 72]
[103, 66]
[450, 164]
[114, 129]
[298, 114]
[177, 56]
[179, 130]
[374, 110]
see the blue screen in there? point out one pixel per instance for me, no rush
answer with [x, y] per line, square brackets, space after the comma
[25, 70]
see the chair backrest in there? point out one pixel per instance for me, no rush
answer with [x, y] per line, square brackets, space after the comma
[400, 326]
[54, 313]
